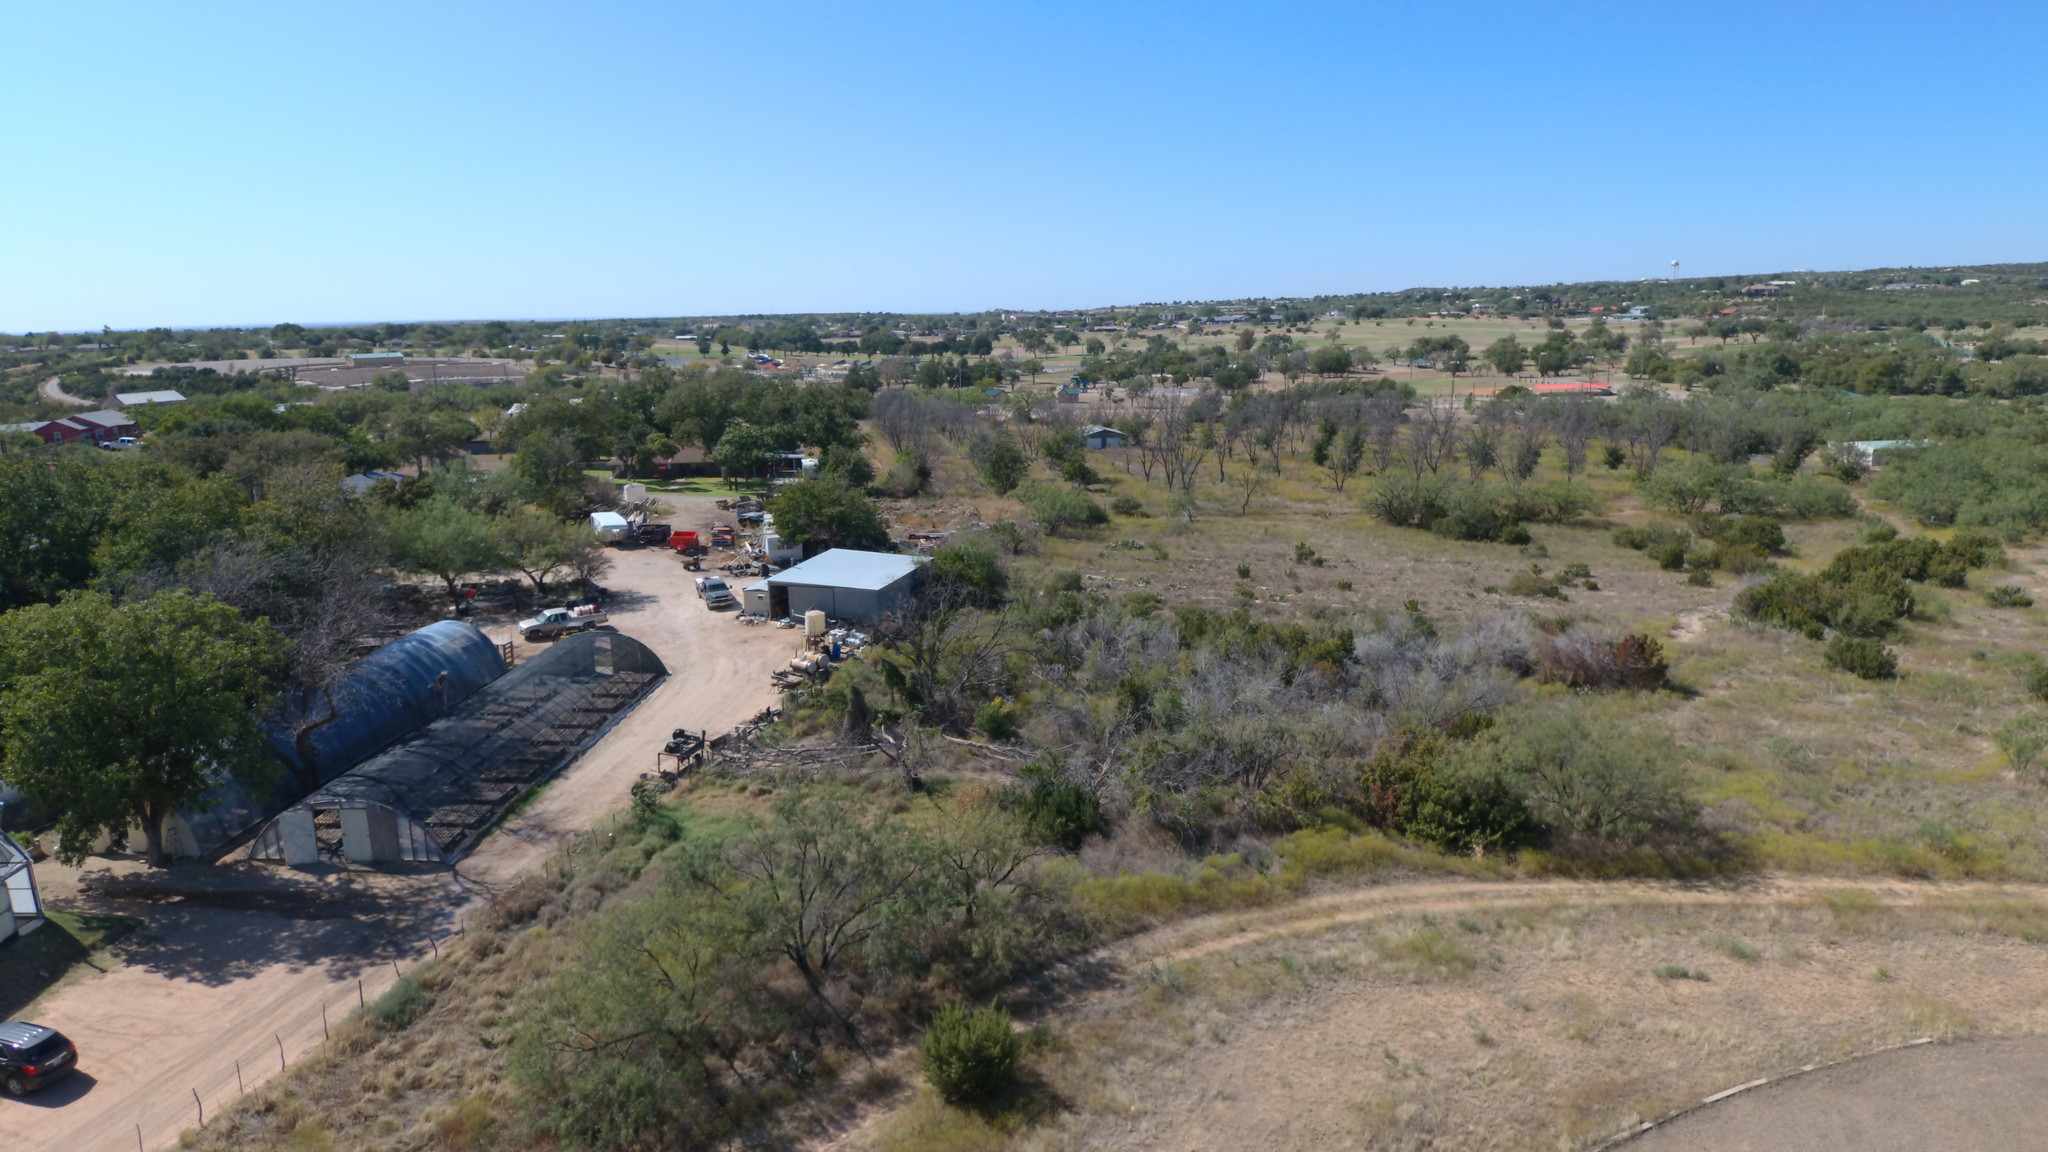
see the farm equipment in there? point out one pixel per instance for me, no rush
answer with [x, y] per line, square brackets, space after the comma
[651, 533]
[683, 742]
[687, 542]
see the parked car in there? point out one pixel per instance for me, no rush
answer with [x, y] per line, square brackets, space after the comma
[558, 622]
[32, 1057]
[714, 592]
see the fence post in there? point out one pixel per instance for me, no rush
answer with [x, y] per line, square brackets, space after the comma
[359, 992]
[394, 969]
[280, 1050]
[239, 1089]
[138, 1139]
[324, 1034]
[202, 1107]
[436, 944]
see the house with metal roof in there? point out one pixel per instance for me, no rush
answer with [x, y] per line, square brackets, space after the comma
[363, 481]
[108, 424]
[1103, 436]
[844, 583]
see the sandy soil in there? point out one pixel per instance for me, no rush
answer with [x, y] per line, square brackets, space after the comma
[1445, 1014]
[1488, 1029]
[236, 962]
[1928, 1098]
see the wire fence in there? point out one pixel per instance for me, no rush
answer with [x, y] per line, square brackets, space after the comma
[249, 1061]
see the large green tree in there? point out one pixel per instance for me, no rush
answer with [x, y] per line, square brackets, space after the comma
[823, 513]
[1506, 355]
[47, 531]
[114, 714]
[442, 538]
[743, 449]
[538, 544]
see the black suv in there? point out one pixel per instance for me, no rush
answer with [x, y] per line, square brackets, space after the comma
[32, 1056]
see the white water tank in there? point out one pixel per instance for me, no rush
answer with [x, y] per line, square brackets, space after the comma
[814, 623]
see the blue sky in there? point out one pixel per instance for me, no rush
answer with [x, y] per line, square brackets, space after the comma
[249, 163]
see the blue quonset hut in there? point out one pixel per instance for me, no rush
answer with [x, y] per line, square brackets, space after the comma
[433, 795]
[389, 693]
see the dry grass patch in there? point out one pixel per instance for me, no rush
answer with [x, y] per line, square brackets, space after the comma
[1516, 1027]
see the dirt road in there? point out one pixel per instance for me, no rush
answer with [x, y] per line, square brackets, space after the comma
[53, 391]
[1977, 1096]
[216, 979]
[718, 677]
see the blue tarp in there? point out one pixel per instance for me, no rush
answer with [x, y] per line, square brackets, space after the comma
[386, 695]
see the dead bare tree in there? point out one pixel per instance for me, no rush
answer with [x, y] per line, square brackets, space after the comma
[1172, 445]
[1383, 416]
[1432, 437]
[1574, 420]
[1482, 440]
[939, 652]
[329, 604]
[1647, 421]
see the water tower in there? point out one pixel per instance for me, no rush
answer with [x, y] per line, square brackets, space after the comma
[1674, 269]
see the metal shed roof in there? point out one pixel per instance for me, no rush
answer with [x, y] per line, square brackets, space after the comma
[848, 568]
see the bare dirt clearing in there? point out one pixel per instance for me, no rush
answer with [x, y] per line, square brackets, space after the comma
[1498, 1015]
[233, 963]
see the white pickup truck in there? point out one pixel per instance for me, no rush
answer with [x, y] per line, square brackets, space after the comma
[557, 622]
[714, 593]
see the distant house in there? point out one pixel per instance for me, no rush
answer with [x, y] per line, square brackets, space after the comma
[1484, 307]
[1874, 452]
[362, 482]
[131, 399]
[1762, 290]
[1103, 436]
[108, 424]
[90, 428]
[376, 359]
[1070, 394]
[690, 461]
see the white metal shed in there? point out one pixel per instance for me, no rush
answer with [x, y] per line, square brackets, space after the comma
[846, 585]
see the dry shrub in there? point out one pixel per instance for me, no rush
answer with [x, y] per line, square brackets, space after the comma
[1579, 659]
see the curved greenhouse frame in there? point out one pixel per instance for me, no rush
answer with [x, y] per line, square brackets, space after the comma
[434, 795]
